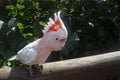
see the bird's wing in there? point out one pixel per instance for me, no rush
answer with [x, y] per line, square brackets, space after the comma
[26, 55]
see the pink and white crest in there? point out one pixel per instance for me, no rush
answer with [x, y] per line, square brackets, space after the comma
[55, 25]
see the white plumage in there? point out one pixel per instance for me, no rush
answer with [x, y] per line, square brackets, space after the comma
[54, 38]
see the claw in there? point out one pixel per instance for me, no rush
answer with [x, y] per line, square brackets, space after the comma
[39, 68]
[29, 67]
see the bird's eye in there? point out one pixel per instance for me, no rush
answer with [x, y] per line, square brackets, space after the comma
[56, 38]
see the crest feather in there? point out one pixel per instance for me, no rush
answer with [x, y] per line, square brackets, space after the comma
[53, 25]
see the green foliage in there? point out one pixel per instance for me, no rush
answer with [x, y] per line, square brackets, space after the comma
[95, 21]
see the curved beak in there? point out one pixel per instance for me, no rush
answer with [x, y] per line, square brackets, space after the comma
[62, 40]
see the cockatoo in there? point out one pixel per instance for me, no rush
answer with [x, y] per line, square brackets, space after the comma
[54, 37]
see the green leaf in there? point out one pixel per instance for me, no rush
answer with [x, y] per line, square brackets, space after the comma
[21, 13]
[20, 25]
[20, 1]
[27, 34]
[35, 4]
[83, 8]
[72, 10]
[13, 13]
[42, 23]
[38, 14]
[10, 7]
[19, 6]
[9, 63]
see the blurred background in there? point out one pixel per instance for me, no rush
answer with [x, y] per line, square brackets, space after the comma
[93, 26]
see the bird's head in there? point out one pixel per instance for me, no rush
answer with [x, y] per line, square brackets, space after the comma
[55, 32]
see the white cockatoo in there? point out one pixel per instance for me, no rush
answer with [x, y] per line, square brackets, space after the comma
[54, 37]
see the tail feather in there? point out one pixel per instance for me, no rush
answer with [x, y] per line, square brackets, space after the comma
[13, 58]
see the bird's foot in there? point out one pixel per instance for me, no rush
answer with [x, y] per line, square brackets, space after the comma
[33, 68]
[29, 67]
[38, 67]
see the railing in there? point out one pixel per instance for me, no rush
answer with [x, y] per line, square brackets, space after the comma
[98, 67]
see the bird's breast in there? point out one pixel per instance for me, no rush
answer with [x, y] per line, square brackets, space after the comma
[41, 57]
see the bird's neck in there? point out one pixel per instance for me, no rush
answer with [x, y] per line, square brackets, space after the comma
[43, 43]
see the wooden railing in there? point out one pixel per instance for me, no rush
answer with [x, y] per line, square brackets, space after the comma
[98, 67]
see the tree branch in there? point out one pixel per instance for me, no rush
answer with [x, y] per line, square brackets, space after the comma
[96, 67]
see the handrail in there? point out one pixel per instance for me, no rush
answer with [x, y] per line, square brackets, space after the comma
[86, 68]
